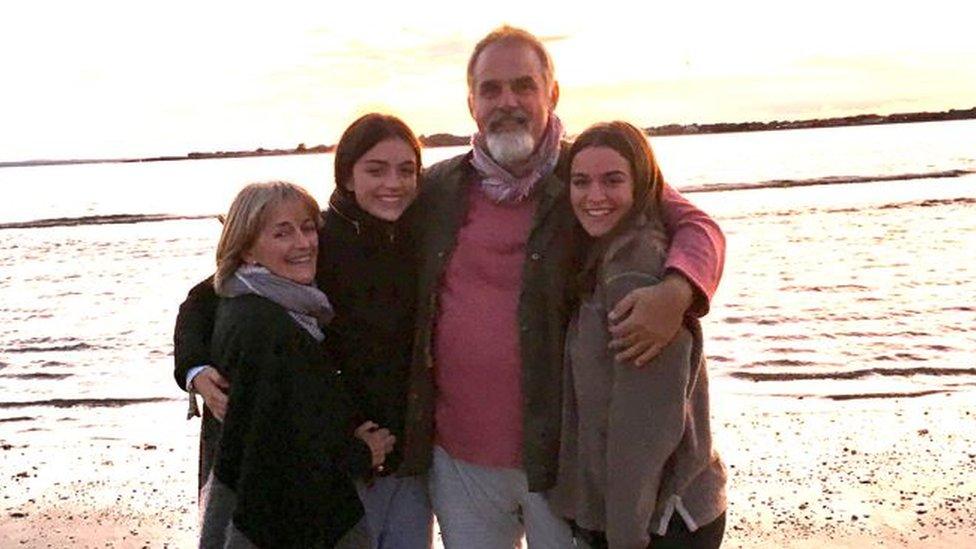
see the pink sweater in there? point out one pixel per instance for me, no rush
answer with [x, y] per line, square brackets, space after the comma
[476, 342]
[697, 246]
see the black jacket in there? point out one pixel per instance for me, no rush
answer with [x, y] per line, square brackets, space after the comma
[191, 347]
[287, 448]
[366, 267]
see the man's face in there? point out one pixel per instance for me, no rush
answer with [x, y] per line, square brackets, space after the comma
[509, 95]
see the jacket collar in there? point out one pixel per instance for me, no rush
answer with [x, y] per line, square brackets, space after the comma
[552, 188]
[459, 176]
[549, 191]
[343, 204]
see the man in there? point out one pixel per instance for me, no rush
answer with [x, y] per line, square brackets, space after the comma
[497, 249]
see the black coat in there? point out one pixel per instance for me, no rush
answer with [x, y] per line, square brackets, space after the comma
[366, 268]
[287, 448]
[191, 347]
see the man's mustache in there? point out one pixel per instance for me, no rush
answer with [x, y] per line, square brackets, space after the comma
[518, 116]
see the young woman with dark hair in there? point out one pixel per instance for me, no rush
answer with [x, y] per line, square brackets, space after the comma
[636, 463]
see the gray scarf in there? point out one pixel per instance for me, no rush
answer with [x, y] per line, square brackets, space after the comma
[501, 186]
[306, 304]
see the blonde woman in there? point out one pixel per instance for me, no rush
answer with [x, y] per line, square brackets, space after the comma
[290, 447]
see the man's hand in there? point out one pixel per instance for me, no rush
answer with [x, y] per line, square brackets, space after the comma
[213, 388]
[379, 440]
[647, 319]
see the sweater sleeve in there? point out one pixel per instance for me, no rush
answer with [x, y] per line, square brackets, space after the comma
[697, 247]
[645, 423]
[193, 330]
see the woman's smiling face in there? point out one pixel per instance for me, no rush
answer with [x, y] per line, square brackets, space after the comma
[288, 243]
[384, 179]
[601, 189]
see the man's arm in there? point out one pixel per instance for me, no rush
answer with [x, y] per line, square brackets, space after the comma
[646, 320]
[697, 249]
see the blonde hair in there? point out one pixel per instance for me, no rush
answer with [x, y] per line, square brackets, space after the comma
[246, 217]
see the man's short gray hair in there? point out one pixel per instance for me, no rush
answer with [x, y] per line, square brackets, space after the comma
[507, 33]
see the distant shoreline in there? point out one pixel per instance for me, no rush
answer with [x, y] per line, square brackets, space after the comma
[449, 140]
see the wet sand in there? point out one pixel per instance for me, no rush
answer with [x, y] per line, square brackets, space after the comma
[893, 472]
[88, 477]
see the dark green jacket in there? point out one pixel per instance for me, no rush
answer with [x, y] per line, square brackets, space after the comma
[551, 259]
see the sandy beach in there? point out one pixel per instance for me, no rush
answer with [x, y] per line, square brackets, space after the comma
[803, 473]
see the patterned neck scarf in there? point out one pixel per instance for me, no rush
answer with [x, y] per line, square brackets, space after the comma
[501, 186]
[307, 305]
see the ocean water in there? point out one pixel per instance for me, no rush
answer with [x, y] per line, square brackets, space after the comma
[849, 269]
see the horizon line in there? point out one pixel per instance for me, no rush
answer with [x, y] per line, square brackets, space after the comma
[440, 139]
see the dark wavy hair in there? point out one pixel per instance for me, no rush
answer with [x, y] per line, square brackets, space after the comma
[362, 135]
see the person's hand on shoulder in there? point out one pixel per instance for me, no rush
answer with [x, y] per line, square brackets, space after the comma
[648, 318]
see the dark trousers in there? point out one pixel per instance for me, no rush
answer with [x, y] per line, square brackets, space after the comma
[708, 536]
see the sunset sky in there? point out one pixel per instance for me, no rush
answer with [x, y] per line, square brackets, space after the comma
[109, 79]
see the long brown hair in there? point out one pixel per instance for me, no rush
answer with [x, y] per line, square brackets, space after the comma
[630, 143]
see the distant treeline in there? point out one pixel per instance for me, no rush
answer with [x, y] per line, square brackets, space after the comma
[857, 120]
[449, 140]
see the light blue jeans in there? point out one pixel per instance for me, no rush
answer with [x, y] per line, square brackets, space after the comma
[398, 514]
[491, 508]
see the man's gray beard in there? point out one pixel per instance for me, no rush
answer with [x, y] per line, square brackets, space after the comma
[510, 148]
